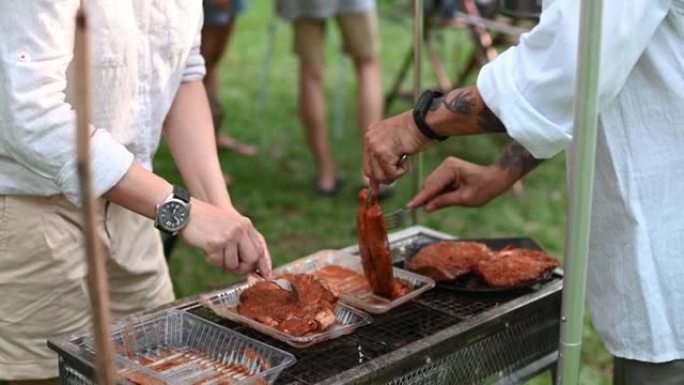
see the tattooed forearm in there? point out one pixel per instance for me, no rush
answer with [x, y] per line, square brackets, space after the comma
[488, 121]
[436, 102]
[462, 103]
[516, 158]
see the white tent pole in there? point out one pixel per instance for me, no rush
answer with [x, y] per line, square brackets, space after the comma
[417, 160]
[581, 158]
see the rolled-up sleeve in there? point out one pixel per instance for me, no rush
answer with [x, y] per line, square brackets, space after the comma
[37, 125]
[194, 67]
[531, 87]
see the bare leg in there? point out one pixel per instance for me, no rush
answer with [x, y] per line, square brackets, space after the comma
[370, 99]
[215, 41]
[312, 114]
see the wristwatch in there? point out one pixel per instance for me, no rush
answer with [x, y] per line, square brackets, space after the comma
[173, 214]
[421, 108]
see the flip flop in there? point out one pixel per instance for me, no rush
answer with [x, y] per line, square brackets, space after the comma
[339, 182]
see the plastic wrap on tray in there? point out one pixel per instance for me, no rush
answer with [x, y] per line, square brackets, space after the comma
[175, 347]
[224, 303]
[364, 300]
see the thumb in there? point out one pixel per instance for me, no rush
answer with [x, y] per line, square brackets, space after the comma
[264, 263]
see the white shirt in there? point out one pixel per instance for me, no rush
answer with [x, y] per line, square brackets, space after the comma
[141, 52]
[636, 257]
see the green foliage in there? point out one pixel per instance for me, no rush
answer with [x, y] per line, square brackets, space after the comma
[275, 188]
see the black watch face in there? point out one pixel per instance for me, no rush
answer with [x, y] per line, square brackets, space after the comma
[172, 215]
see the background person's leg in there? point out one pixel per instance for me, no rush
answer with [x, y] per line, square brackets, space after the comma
[361, 42]
[217, 32]
[308, 35]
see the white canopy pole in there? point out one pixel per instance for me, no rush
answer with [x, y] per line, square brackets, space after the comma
[417, 160]
[581, 157]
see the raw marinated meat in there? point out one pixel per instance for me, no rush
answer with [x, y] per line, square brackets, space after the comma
[350, 282]
[313, 312]
[512, 267]
[374, 247]
[448, 260]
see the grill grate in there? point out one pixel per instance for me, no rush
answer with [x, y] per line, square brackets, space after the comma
[464, 305]
[407, 324]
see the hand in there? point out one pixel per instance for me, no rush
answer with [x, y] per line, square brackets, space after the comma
[228, 239]
[456, 182]
[386, 142]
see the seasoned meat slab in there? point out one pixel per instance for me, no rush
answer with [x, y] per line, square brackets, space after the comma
[448, 260]
[374, 247]
[512, 267]
[313, 312]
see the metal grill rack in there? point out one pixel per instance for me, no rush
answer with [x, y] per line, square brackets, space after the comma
[442, 337]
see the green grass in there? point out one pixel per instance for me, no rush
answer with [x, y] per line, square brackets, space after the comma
[275, 187]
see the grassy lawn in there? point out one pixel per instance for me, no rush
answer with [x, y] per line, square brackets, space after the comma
[275, 187]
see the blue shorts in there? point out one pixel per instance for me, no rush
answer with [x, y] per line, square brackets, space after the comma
[219, 17]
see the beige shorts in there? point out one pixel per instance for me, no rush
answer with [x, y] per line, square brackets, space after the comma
[359, 36]
[43, 290]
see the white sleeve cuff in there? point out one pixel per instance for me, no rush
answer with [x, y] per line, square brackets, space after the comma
[110, 161]
[540, 136]
[194, 66]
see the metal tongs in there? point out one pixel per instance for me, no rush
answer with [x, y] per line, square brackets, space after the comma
[281, 282]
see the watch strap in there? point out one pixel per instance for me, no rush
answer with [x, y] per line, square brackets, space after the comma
[181, 193]
[420, 110]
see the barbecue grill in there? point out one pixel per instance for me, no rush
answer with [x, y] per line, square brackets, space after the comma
[442, 337]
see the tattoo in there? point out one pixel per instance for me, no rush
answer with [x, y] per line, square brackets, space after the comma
[462, 103]
[516, 157]
[489, 122]
[436, 102]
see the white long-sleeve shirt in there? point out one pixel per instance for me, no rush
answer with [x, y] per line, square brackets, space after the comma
[636, 257]
[141, 51]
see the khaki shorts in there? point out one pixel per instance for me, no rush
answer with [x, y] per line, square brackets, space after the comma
[43, 290]
[359, 36]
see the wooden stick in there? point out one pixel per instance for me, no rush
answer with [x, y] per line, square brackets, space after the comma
[97, 272]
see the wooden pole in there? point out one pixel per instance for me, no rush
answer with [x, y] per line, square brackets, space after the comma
[97, 272]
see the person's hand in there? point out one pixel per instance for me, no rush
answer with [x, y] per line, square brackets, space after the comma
[228, 239]
[385, 144]
[456, 182]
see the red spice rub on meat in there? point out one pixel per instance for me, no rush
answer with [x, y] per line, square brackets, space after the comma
[311, 313]
[448, 260]
[374, 247]
[350, 282]
[512, 267]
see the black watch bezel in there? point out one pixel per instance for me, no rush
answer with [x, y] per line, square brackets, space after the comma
[421, 108]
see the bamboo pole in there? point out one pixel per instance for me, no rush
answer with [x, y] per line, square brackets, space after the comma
[97, 273]
[417, 161]
[582, 156]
